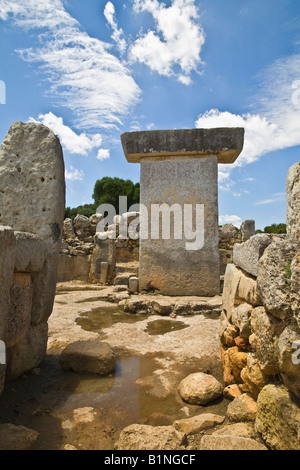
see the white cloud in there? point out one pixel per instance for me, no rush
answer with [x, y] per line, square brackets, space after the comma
[230, 219]
[84, 76]
[177, 41]
[278, 197]
[74, 143]
[103, 154]
[109, 13]
[275, 125]
[74, 174]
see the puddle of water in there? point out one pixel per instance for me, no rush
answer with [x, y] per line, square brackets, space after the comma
[161, 327]
[99, 318]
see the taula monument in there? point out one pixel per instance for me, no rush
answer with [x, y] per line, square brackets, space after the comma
[179, 236]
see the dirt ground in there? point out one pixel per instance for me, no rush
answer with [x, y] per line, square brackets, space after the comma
[88, 412]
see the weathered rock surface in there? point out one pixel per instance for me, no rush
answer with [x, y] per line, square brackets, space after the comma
[229, 443]
[243, 409]
[198, 423]
[238, 430]
[142, 437]
[200, 389]
[293, 201]
[7, 263]
[30, 253]
[20, 308]
[29, 352]
[17, 437]
[246, 255]
[252, 376]
[274, 277]
[88, 357]
[265, 333]
[278, 418]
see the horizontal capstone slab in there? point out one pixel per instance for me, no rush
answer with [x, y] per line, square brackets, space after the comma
[225, 143]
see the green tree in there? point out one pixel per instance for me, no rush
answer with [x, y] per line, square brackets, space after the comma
[107, 191]
[87, 210]
[276, 228]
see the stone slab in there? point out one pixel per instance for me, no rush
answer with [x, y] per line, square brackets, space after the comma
[226, 143]
[165, 264]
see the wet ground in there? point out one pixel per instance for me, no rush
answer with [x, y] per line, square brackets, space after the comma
[88, 411]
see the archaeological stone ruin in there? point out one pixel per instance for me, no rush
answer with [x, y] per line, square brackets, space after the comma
[238, 283]
[32, 201]
[180, 168]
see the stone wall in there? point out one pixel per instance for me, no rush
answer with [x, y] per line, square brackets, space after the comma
[260, 326]
[32, 201]
[77, 255]
[83, 250]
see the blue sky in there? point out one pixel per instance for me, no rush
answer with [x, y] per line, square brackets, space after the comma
[94, 69]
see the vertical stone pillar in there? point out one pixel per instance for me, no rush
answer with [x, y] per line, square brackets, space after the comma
[179, 183]
[32, 202]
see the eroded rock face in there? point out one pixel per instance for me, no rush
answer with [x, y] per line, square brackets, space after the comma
[32, 201]
[278, 418]
[274, 277]
[32, 195]
[293, 201]
[246, 255]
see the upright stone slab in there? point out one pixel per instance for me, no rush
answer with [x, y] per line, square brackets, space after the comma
[179, 169]
[32, 199]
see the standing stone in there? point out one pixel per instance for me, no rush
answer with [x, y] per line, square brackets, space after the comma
[180, 168]
[247, 229]
[293, 201]
[104, 252]
[32, 199]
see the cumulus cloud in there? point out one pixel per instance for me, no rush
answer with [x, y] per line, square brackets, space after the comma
[84, 76]
[103, 154]
[176, 42]
[79, 144]
[275, 125]
[74, 174]
[230, 219]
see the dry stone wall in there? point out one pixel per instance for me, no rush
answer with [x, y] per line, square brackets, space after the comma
[260, 326]
[32, 202]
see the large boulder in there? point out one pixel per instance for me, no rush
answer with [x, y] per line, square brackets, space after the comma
[274, 276]
[243, 409]
[200, 389]
[278, 418]
[265, 333]
[246, 255]
[142, 437]
[88, 357]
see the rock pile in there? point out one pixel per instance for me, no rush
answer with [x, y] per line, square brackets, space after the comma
[260, 326]
[84, 248]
